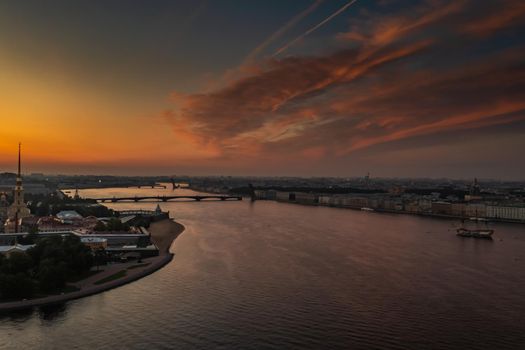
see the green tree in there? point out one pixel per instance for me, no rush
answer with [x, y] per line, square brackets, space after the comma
[115, 224]
[79, 258]
[18, 262]
[15, 286]
[100, 226]
[51, 275]
[49, 247]
[48, 265]
[99, 257]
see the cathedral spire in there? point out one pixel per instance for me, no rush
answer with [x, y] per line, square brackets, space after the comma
[18, 210]
[19, 160]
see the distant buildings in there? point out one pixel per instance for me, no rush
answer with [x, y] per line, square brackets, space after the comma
[473, 206]
[66, 222]
[505, 213]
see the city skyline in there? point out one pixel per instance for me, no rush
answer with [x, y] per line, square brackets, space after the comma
[313, 88]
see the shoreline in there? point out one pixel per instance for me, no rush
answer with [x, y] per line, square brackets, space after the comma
[163, 233]
[400, 212]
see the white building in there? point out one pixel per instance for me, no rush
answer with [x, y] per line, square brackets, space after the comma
[507, 213]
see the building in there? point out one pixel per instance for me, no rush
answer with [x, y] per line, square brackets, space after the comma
[458, 209]
[390, 204]
[69, 216]
[4, 205]
[505, 213]
[95, 242]
[412, 207]
[476, 210]
[29, 224]
[53, 224]
[260, 194]
[306, 198]
[284, 196]
[7, 250]
[442, 208]
[324, 200]
[18, 210]
[425, 205]
[115, 238]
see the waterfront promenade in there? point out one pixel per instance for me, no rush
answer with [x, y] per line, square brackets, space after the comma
[163, 233]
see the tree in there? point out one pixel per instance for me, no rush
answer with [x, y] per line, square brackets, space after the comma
[15, 280]
[100, 226]
[17, 263]
[115, 224]
[79, 258]
[16, 286]
[99, 257]
[49, 247]
[48, 265]
[51, 275]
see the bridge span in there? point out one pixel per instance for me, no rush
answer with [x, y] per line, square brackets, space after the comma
[167, 198]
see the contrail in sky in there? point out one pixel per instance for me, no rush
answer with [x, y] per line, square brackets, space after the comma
[314, 28]
[282, 30]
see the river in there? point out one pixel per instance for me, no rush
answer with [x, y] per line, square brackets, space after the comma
[269, 275]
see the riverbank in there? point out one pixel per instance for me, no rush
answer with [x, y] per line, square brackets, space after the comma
[163, 234]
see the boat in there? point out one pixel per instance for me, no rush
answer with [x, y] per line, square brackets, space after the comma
[367, 209]
[478, 219]
[475, 233]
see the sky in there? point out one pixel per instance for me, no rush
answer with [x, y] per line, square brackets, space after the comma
[397, 88]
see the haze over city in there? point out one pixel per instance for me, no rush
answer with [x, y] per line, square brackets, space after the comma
[310, 88]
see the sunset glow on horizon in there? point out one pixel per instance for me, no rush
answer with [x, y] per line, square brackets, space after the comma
[313, 88]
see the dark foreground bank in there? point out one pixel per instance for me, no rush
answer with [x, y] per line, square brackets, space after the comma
[163, 233]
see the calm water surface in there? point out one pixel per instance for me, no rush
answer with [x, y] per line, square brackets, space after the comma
[268, 275]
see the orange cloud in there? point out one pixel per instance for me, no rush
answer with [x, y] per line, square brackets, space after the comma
[399, 81]
[387, 30]
[506, 14]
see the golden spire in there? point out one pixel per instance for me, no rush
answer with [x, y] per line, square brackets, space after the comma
[19, 175]
[19, 159]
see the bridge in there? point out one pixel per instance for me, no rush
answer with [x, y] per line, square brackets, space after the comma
[166, 198]
[147, 186]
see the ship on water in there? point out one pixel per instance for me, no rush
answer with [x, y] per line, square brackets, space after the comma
[476, 232]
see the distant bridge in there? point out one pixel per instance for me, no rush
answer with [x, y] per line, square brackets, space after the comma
[148, 186]
[166, 198]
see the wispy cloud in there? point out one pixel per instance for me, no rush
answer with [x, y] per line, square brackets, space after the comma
[314, 28]
[281, 31]
[403, 77]
[502, 14]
